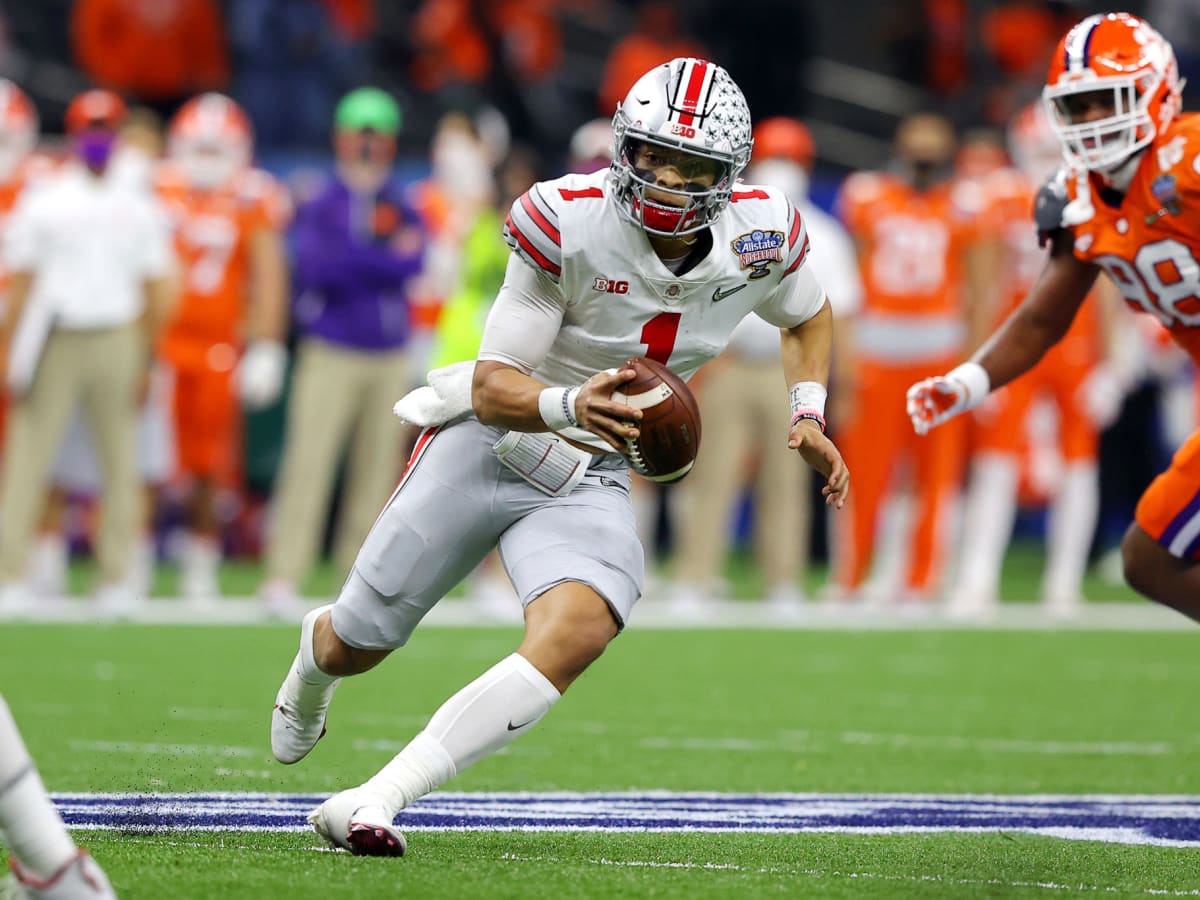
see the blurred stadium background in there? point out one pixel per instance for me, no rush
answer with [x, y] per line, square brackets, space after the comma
[527, 76]
[887, 701]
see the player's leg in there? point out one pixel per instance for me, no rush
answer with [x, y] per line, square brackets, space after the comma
[31, 829]
[424, 542]
[1075, 507]
[208, 436]
[321, 408]
[938, 461]
[577, 564]
[870, 443]
[997, 436]
[1161, 549]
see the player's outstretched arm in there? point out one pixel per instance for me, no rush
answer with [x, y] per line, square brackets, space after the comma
[1036, 326]
[806, 351]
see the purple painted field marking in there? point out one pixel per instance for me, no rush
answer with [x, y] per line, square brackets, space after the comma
[1128, 819]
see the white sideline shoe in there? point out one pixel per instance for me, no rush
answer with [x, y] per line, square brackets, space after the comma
[298, 719]
[351, 821]
[80, 879]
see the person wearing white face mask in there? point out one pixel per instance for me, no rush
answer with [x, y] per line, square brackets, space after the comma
[739, 404]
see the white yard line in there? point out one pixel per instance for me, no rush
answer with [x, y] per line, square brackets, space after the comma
[795, 741]
[649, 614]
[835, 873]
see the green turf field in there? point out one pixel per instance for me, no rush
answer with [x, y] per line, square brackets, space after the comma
[148, 709]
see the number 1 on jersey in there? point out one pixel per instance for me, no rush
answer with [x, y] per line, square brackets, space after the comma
[659, 336]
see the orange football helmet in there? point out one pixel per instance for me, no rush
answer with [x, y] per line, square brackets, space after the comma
[1117, 59]
[780, 137]
[210, 139]
[18, 127]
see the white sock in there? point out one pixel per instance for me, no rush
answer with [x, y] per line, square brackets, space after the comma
[30, 826]
[489, 713]
[201, 560]
[1072, 521]
[305, 663]
[987, 526]
[48, 564]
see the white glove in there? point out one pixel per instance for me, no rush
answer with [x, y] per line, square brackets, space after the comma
[259, 375]
[936, 400]
[1101, 395]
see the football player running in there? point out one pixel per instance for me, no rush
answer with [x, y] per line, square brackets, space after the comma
[660, 256]
[1126, 204]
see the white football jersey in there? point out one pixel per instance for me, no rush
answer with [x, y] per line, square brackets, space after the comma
[618, 300]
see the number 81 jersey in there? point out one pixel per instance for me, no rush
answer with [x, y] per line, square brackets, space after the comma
[619, 300]
[1149, 244]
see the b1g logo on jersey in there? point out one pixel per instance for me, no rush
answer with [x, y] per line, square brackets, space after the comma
[756, 250]
[609, 286]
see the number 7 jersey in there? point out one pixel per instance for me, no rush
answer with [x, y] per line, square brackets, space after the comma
[619, 300]
[1149, 244]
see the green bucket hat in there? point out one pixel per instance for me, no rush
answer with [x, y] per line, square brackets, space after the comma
[367, 107]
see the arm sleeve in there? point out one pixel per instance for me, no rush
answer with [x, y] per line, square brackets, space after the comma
[796, 300]
[525, 319]
[532, 231]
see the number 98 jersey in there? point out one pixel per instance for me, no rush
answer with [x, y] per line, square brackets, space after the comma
[1149, 244]
[607, 296]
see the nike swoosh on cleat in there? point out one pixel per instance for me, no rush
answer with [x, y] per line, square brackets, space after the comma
[719, 295]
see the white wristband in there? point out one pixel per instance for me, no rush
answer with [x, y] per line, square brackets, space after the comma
[974, 379]
[557, 407]
[808, 395]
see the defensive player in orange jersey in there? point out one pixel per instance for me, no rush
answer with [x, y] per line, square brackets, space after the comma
[1127, 205]
[916, 242]
[1074, 376]
[226, 342]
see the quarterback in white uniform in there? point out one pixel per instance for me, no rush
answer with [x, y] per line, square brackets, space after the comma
[660, 256]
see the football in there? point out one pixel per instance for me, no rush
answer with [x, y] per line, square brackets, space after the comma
[666, 448]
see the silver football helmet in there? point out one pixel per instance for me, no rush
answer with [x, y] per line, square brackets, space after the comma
[688, 105]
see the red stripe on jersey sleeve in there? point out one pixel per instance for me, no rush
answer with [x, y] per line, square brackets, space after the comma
[533, 252]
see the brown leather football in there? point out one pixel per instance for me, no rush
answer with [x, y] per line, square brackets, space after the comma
[669, 440]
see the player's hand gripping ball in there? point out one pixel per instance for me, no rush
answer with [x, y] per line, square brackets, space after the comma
[669, 432]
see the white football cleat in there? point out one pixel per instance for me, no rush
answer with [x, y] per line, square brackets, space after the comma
[80, 879]
[298, 720]
[353, 820]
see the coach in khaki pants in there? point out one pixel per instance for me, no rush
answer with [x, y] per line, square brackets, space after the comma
[745, 411]
[91, 262]
[357, 244]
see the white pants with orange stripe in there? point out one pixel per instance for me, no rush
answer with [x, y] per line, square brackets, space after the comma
[455, 503]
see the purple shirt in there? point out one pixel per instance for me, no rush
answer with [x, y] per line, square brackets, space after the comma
[351, 283]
